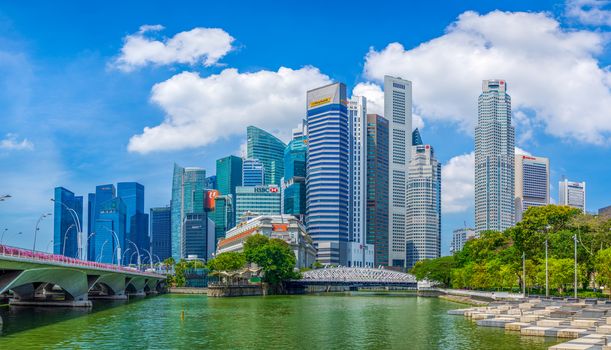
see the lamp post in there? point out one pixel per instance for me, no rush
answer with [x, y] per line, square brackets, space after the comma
[575, 276]
[99, 259]
[65, 238]
[2, 237]
[125, 252]
[150, 257]
[5, 197]
[77, 222]
[137, 250]
[37, 228]
[48, 245]
[88, 246]
[118, 245]
[547, 228]
[524, 274]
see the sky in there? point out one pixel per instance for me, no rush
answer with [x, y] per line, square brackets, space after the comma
[101, 92]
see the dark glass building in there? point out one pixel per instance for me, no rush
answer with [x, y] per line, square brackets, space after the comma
[161, 232]
[253, 173]
[68, 216]
[108, 241]
[294, 188]
[269, 150]
[228, 177]
[377, 187]
[136, 224]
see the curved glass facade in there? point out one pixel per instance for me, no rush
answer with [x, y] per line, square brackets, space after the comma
[268, 149]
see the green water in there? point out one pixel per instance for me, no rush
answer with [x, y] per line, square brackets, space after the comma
[345, 321]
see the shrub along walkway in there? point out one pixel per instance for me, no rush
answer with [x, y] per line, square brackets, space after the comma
[586, 322]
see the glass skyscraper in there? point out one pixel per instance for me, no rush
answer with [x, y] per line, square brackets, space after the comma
[494, 159]
[293, 187]
[228, 177]
[136, 224]
[328, 172]
[108, 242]
[253, 173]
[268, 149]
[423, 206]
[531, 183]
[161, 232]
[259, 200]
[572, 194]
[223, 216]
[398, 111]
[102, 196]
[188, 185]
[66, 222]
[377, 187]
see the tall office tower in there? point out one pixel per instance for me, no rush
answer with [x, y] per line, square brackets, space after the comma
[228, 177]
[328, 172]
[253, 173]
[398, 111]
[108, 241]
[531, 183]
[137, 222]
[187, 198]
[269, 150]
[301, 130]
[223, 216]
[494, 159]
[211, 182]
[67, 217]
[103, 194]
[377, 187]
[161, 232]
[293, 182]
[255, 201]
[360, 254]
[460, 237]
[416, 138]
[423, 206]
[572, 194]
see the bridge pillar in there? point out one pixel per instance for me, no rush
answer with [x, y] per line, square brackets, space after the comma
[24, 285]
[137, 284]
[111, 285]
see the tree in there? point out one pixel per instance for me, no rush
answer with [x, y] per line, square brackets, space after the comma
[228, 261]
[274, 256]
[603, 267]
[438, 270]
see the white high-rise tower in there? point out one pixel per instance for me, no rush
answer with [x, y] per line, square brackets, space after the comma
[398, 111]
[494, 159]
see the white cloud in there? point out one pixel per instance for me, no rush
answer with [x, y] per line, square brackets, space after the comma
[11, 143]
[590, 12]
[199, 45]
[375, 101]
[551, 71]
[518, 150]
[199, 111]
[457, 183]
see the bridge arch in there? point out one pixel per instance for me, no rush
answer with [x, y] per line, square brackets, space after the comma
[24, 283]
[357, 276]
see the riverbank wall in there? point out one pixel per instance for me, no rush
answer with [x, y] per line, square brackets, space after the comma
[187, 290]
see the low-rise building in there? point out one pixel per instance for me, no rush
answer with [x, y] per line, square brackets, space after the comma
[460, 237]
[285, 227]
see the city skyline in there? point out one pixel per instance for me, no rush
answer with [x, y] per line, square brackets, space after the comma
[81, 168]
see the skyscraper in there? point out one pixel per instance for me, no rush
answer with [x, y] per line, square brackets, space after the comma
[258, 200]
[102, 196]
[398, 111]
[460, 237]
[531, 183]
[423, 206]
[223, 216]
[67, 217]
[253, 173]
[268, 149]
[161, 232]
[293, 186]
[494, 159]
[188, 190]
[360, 254]
[572, 194]
[328, 172]
[136, 224]
[377, 187]
[108, 242]
[228, 174]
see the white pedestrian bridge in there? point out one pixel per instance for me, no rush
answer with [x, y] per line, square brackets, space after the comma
[357, 276]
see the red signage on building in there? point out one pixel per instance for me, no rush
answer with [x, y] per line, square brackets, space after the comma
[210, 200]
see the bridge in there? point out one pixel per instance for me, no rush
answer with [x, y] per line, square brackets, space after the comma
[37, 278]
[357, 277]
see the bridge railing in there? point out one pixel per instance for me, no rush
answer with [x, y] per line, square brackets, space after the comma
[62, 259]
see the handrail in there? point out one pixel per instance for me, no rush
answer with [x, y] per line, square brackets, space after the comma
[56, 258]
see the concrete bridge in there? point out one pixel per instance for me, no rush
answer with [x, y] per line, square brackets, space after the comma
[357, 277]
[36, 278]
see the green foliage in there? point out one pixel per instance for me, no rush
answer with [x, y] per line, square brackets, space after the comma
[494, 260]
[228, 261]
[275, 258]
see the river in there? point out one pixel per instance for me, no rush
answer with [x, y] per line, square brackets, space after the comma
[334, 321]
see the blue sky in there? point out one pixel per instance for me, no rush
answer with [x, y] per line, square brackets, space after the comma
[80, 82]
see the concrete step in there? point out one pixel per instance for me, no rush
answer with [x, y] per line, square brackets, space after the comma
[553, 322]
[585, 323]
[516, 326]
[530, 318]
[460, 312]
[572, 333]
[481, 315]
[604, 329]
[572, 346]
[498, 322]
[538, 331]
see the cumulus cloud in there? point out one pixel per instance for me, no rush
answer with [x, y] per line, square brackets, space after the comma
[590, 12]
[551, 72]
[520, 151]
[199, 45]
[375, 101]
[458, 184]
[201, 110]
[12, 143]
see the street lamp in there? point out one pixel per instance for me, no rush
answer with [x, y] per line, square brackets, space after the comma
[99, 259]
[137, 250]
[48, 245]
[37, 228]
[118, 245]
[575, 276]
[66, 237]
[5, 197]
[77, 222]
[2, 237]
[150, 257]
[125, 252]
[547, 228]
